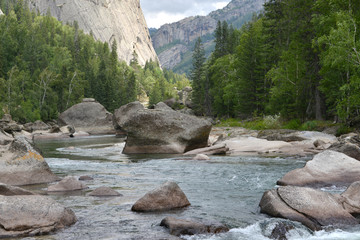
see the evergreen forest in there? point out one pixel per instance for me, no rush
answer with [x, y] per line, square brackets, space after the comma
[298, 59]
[46, 67]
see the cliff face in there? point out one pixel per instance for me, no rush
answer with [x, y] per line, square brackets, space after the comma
[121, 20]
[174, 42]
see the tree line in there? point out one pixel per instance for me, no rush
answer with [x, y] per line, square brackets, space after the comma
[46, 67]
[298, 58]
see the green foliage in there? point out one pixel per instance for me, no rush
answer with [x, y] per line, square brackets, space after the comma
[46, 67]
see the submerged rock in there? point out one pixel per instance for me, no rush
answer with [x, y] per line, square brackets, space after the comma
[104, 192]
[67, 184]
[32, 215]
[313, 208]
[88, 116]
[159, 130]
[166, 197]
[179, 227]
[22, 164]
[7, 190]
[325, 169]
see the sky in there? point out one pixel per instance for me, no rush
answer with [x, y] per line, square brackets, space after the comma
[160, 12]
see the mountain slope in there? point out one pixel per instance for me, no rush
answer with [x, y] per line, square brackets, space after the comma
[107, 20]
[174, 42]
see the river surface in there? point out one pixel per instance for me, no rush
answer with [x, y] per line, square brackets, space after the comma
[225, 189]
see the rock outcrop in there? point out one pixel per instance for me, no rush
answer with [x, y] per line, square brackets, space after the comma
[325, 169]
[107, 20]
[166, 197]
[179, 227]
[186, 31]
[160, 130]
[32, 215]
[22, 164]
[88, 116]
[313, 208]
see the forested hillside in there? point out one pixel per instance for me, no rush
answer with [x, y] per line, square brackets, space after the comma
[46, 67]
[299, 59]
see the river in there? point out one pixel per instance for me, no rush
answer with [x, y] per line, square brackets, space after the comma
[225, 189]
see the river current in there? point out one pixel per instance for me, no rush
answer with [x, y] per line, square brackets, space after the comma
[225, 189]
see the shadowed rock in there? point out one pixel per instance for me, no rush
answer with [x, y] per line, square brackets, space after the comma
[166, 197]
[179, 227]
[7, 190]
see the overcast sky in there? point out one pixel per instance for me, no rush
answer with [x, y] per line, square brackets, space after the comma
[159, 12]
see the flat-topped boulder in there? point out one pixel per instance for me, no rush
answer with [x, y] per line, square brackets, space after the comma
[313, 208]
[327, 168]
[22, 164]
[166, 197]
[160, 130]
[88, 116]
[30, 215]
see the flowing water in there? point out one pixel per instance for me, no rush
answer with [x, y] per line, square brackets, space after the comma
[224, 189]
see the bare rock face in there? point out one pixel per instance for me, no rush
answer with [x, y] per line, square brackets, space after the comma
[313, 208]
[22, 164]
[108, 20]
[325, 169]
[160, 130]
[32, 215]
[88, 116]
[179, 227]
[67, 184]
[166, 197]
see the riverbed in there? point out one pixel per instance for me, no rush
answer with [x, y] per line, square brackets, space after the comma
[226, 189]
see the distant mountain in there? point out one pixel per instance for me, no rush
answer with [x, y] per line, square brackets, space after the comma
[174, 42]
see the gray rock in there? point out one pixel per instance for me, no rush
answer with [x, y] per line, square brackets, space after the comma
[219, 149]
[5, 138]
[129, 30]
[67, 184]
[104, 192]
[32, 215]
[22, 164]
[179, 227]
[6, 118]
[166, 197]
[313, 208]
[325, 169]
[281, 230]
[39, 126]
[350, 149]
[89, 117]
[351, 198]
[163, 106]
[85, 178]
[160, 131]
[7, 190]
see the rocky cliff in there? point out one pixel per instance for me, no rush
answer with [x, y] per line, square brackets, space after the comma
[121, 20]
[174, 42]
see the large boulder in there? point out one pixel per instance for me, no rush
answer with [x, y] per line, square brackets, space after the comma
[32, 215]
[22, 164]
[88, 116]
[67, 184]
[313, 208]
[325, 169]
[179, 227]
[166, 197]
[160, 130]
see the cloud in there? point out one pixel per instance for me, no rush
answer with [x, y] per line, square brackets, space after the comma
[161, 12]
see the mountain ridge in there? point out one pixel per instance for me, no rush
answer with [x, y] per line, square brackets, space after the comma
[174, 42]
